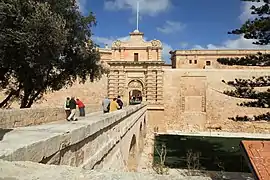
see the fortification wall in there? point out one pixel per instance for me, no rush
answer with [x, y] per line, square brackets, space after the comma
[194, 101]
[89, 93]
[12, 118]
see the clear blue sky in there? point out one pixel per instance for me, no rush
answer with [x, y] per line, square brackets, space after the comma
[179, 24]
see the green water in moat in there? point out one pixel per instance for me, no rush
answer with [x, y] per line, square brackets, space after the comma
[216, 153]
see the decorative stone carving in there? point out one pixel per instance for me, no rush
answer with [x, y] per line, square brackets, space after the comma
[156, 43]
[135, 84]
[117, 43]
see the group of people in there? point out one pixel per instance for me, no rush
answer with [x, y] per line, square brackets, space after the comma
[70, 108]
[110, 106]
[107, 104]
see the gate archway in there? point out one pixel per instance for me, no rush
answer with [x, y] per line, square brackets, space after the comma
[136, 91]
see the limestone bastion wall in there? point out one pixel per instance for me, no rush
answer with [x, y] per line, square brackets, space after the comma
[194, 101]
[89, 93]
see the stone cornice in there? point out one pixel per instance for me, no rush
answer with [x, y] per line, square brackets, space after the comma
[136, 48]
[136, 63]
[219, 52]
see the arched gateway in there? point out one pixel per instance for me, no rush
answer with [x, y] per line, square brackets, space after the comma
[136, 91]
[136, 70]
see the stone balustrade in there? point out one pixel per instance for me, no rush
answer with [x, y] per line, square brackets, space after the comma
[94, 141]
[12, 118]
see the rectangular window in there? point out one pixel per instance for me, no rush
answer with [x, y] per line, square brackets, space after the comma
[190, 61]
[208, 63]
[136, 57]
[195, 61]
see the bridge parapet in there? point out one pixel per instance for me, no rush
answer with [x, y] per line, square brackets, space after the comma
[96, 141]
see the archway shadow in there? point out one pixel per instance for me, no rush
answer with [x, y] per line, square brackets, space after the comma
[3, 132]
[132, 164]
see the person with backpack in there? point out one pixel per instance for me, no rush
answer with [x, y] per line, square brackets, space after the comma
[119, 102]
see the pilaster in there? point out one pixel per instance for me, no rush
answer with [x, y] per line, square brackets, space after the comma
[159, 55]
[122, 54]
[149, 54]
[151, 91]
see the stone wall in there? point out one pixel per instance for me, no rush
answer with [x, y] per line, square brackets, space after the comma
[13, 118]
[96, 141]
[89, 93]
[194, 59]
[194, 101]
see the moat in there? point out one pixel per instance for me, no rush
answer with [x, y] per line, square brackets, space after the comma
[203, 153]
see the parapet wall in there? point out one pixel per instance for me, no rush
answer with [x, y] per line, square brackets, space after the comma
[95, 141]
[12, 118]
[194, 101]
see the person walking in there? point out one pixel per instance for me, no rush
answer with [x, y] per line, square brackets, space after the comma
[72, 106]
[114, 105]
[119, 102]
[67, 107]
[81, 107]
[106, 105]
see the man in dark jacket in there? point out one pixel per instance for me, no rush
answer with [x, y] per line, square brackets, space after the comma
[72, 106]
[119, 102]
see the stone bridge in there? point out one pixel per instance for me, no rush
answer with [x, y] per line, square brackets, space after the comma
[98, 141]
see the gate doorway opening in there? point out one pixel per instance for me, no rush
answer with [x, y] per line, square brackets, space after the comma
[135, 97]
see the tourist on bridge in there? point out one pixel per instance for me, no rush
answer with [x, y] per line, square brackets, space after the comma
[67, 108]
[114, 105]
[106, 105]
[81, 107]
[72, 106]
[119, 102]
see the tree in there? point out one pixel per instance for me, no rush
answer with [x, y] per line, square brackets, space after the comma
[257, 29]
[42, 47]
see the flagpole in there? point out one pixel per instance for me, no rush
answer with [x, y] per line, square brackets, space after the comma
[138, 6]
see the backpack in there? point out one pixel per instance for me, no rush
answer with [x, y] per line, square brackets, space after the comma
[120, 103]
[67, 104]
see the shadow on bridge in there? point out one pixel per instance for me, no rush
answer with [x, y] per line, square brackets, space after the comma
[3, 132]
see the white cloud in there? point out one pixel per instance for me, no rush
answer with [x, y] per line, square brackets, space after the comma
[82, 5]
[171, 27]
[241, 42]
[183, 44]
[246, 11]
[108, 40]
[148, 7]
[165, 53]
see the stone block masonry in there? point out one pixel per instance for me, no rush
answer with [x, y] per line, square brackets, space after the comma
[13, 118]
[194, 101]
[96, 141]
